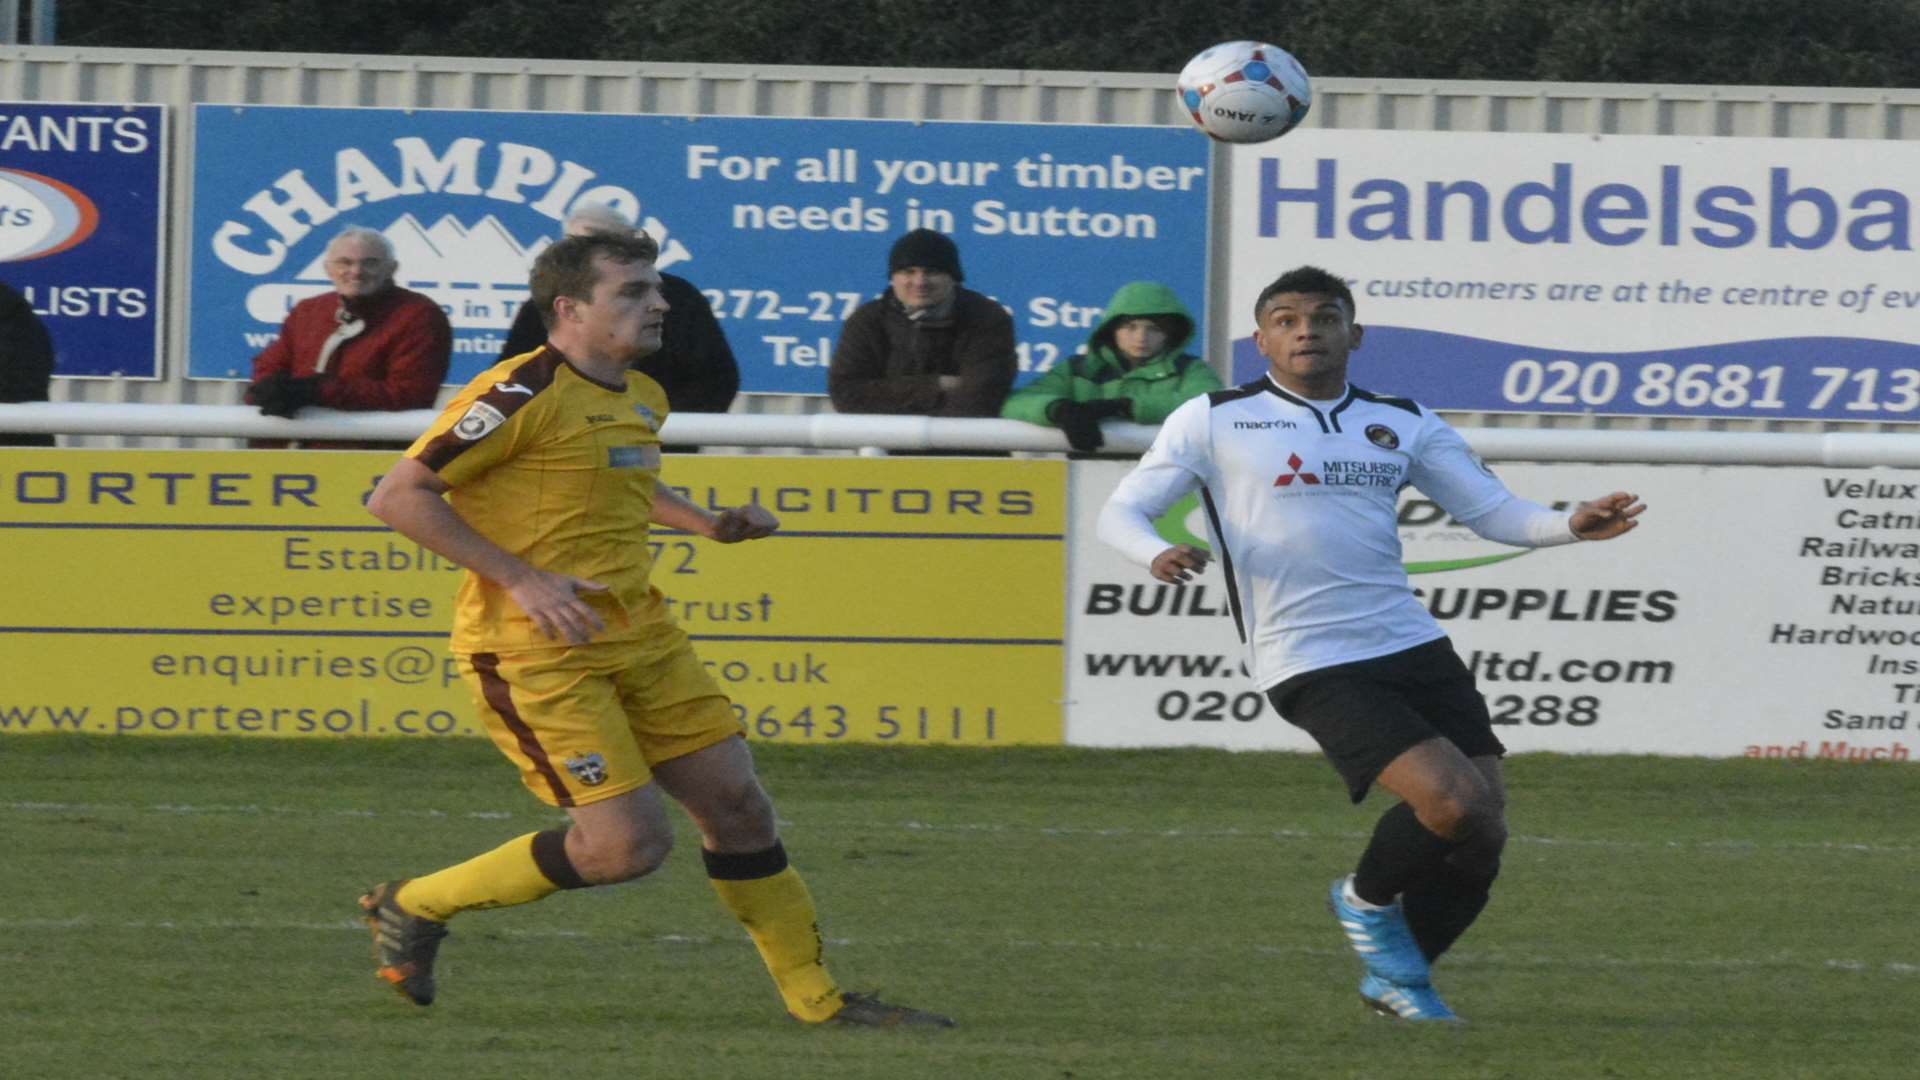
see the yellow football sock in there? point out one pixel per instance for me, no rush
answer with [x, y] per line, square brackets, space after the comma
[508, 875]
[777, 911]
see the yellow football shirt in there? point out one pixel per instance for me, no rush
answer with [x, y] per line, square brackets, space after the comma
[558, 469]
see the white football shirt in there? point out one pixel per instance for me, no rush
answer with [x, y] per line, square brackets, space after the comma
[1301, 504]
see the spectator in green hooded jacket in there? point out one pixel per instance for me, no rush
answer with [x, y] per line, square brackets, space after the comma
[1132, 369]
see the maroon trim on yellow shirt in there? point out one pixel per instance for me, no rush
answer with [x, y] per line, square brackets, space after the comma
[618, 388]
[504, 398]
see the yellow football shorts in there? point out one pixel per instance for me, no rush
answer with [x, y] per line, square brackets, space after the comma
[586, 723]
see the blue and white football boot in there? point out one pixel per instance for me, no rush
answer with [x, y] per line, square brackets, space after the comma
[1417, 1003]
[1382, 939]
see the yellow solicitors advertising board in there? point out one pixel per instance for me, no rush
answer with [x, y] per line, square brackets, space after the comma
[250, 593]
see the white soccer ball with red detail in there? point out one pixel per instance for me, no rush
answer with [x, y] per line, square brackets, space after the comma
[1245, 91]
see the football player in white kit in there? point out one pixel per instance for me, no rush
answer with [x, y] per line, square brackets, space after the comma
[1299, 473]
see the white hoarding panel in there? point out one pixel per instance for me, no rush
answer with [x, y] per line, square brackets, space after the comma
[1758, 611]
[1619, 274]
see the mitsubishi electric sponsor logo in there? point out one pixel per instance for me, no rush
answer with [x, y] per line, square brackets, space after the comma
[1286, 479]
[1340, 472]
[468, 259]
[1380, 474]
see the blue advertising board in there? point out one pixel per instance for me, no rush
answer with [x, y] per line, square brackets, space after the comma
[81, 191]
[785, 225]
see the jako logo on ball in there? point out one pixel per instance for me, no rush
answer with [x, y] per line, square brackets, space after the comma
[40, 216]
[1245, 91]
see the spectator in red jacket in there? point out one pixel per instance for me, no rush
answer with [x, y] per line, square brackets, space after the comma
[368, 345]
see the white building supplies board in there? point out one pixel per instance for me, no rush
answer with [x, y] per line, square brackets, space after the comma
[1758, 611]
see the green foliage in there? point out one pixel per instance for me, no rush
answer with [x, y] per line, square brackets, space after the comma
[1756, 42]
[1760, 42]
[183, 908]
[548, 29]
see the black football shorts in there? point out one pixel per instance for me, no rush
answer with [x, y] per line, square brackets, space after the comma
[1367, 713]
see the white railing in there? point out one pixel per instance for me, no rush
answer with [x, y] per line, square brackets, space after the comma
[832, 431]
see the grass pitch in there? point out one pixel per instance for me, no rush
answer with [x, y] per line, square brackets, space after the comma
[184, 908]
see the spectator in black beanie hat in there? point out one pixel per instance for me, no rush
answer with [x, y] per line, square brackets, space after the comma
[926, 248]
[926, 346]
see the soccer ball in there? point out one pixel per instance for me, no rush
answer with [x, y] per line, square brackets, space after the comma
[1245, 91]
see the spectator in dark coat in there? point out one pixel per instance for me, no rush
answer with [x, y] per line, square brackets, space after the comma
[926, 346]
[26, 360]
[695, 365]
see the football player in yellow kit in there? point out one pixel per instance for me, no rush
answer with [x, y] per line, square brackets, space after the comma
[542, 478]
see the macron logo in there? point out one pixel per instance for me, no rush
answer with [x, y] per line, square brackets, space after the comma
[512, 388]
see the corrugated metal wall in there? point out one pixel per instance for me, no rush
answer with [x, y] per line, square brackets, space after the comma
[184, 79]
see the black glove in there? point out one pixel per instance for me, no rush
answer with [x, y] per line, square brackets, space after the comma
[283, 395]
[302, 393]
[1080, 420]
[267, 393]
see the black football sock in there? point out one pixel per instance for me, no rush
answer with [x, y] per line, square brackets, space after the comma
[1402, 852]
[1441, 907]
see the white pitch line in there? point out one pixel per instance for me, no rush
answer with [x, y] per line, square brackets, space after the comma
[1494, 958]
[254, 810]
[960, 828]
[1302, 834]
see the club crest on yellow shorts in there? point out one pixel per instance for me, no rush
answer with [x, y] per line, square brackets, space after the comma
[589, 769]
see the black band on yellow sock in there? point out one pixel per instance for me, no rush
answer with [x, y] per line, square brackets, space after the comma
[724, 866]
[550, 855]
